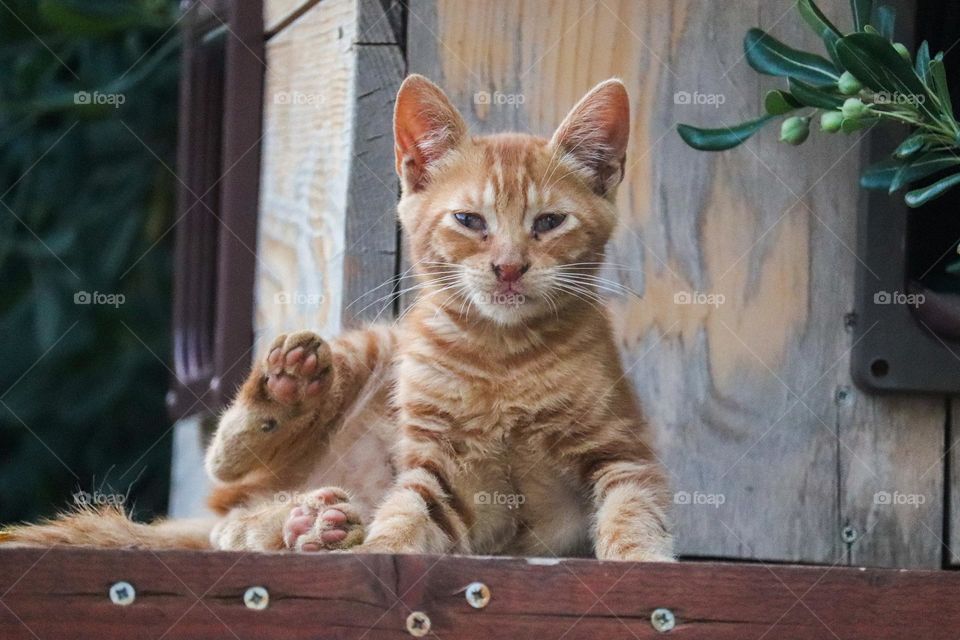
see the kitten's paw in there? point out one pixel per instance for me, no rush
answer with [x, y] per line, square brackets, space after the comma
[299, 367]
[323, 521]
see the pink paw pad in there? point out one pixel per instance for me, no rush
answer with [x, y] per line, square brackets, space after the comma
[326, 520]
[297, 368]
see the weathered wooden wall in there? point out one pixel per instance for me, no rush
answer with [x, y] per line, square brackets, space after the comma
[751, 399]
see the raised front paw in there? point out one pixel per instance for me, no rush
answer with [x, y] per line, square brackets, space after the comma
[299, 368]
[324, 520]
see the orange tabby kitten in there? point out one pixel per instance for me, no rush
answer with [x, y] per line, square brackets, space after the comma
[495, 417]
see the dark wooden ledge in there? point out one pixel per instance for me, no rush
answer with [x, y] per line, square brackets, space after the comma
[64, 593]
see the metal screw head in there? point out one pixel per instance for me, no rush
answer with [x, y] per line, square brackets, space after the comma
[478, 595]
[849, 534]
[122, 593]
[418, 624]
[256, 598]
[663, 620]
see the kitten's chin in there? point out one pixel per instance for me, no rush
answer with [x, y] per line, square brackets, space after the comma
[509, 311]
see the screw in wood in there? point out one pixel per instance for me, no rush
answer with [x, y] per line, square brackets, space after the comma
[122, 593]
[849, 534]
[478, 595]
[663, 620]
[842, 394]
[256, 598]
[418, 624]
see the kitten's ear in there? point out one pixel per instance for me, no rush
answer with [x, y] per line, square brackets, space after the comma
[595, 134]
[425, 127]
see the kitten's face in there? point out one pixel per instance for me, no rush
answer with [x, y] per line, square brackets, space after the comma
[510, 227]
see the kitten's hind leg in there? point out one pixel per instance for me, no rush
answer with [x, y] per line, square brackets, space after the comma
[323, 520]
[319, 520]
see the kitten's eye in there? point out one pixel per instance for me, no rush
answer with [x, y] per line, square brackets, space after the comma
[547, 221]
[472, 221]
[268, 426]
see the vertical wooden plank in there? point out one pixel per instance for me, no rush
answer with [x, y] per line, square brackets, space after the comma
[370, 259]
[277, 14]
[307, 149]
[891, 448]
[748, 385]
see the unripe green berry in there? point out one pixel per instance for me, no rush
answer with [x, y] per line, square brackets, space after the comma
[795, 130]
[853, 108]
[848, 84]
[830, 121]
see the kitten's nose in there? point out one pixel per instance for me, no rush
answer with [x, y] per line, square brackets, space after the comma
[509, 272]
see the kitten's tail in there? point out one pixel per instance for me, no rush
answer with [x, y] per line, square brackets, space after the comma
[109, 528]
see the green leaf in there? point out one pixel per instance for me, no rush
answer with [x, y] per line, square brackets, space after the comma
[874, 62]
[938, 76]
[953, 267]
[821, 25]
[922, 64]
[720, 139]
[926, 165]
[819, 22]
[910, 146]
[919, 197]
[880, 174]
[810, 96]
[779, 102]
[886, 19]
[769, 56]
[861, 13]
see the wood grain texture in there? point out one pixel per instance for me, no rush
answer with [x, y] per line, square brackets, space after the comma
[327, 223]
[277, 12]
[190, 595]
[771, 449]
[370, 258]
[891, 448]
[307, 149]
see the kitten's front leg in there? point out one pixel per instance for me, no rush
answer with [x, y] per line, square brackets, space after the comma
[422, 513]
[631, 499]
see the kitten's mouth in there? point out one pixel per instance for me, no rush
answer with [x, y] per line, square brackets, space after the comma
[505, 295]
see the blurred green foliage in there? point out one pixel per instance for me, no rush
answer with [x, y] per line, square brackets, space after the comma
[88, 105]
